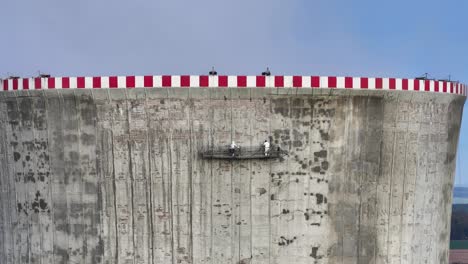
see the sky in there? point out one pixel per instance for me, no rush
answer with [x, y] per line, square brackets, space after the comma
[397, 38]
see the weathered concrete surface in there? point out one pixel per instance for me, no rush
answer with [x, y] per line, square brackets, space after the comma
[113, 176]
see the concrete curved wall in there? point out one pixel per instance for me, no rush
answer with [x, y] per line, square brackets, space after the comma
[113, 176]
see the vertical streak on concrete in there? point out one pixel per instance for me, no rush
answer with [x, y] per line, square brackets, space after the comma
[149, 181]
[123, 180]
[73, 179]
[24, 195]
[244, 172]
[92, 185]
[106, 175]
[139, 163]
[9, 207]
[259, 191]
[201, 232]
[371, 138]
[384, 180]
[407, 202]
[3, 191]
[57, 178]
[43, 179]
[222, 184]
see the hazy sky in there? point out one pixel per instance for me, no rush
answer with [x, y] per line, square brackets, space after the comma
[397, 38]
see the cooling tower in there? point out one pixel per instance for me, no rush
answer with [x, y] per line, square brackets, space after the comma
[94, 171]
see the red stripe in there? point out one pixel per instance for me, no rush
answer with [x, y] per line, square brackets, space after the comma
[80, 82]
[331, 82]
[260, 81]
[148, 81]
[451, 87]
[51, 83]
[315, 81]
[37, 83]
[297, 81]
[15, 84]
[113, 82]
[436, 86]
[65, 82]
[378, 83]
[242, 81]
[404, 84]
[204, 81]
[166, 81]
[392, 83]
[222, 81]
[444, 87]
[364, 83]
[5, 85]
[427, 85]
[185, 81]
[130, 81]
[25, 84]
[416, 85]
[348, 82]
[279, 81]
[96, 82]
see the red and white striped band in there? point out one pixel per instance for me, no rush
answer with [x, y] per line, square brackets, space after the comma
[241, 81]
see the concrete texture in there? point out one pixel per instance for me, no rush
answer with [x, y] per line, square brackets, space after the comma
[114, 176]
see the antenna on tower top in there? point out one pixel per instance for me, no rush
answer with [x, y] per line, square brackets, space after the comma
[267, 72]
[213, 72]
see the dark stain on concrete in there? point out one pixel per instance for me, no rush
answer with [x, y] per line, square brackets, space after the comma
[316, 169]
[261, 191]
[16, 156]
[325, 165]
[63, 255]
[29, 177]
[314, 252]
[88, 139]
[321, 154]
[319, 198]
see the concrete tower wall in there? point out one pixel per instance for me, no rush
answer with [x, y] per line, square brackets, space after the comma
[114, 176]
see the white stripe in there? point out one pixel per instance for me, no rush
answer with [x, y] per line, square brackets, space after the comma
[88, 82]
[194, 81]
[213, 81]
[139, 81]
[288, 81]
[157, 81]
[421, 85]
[105, 82]
[73, 82]
[432, 86]
[340, 82]
[399, 84]
[121, 82]
[385, 83]
[356, 83]
[323, 81]
[269, 81]
[175, 81]
[232, 81]
[251, 81]
[306, 81]
[20, 84]
[58, 83]
[371, 83]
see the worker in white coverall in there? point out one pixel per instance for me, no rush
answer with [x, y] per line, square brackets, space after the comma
[232, 148]
[266, 145]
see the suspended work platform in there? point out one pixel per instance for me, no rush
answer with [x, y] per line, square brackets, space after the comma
[243, 153]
